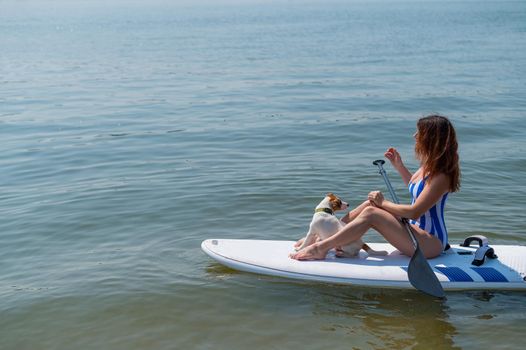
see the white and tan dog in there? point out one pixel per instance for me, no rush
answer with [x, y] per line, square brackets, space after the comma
[325, 224]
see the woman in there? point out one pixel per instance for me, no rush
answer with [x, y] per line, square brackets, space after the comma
[439, 173]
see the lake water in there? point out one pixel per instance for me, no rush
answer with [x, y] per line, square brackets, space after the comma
[132, 131]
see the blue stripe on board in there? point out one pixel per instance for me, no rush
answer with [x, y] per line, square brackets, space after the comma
[490, 274]
[455, 274]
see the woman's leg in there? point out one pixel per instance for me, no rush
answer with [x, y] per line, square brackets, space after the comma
[395, 232]
[353, 214]
[350, 216]
[383, 222]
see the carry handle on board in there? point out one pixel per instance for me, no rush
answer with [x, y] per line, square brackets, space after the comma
[481, 240]
[482, 252]
[420, 274]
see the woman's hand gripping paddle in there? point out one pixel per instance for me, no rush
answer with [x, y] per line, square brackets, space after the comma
[420, 274]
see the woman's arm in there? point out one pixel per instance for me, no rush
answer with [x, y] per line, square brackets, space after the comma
[433, 190]
[396, 160]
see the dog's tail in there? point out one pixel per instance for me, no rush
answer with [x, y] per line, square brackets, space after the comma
[371, 251]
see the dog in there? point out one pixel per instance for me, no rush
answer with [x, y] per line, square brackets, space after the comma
[324, 224]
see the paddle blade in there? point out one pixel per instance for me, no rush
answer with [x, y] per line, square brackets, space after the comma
[422, 277]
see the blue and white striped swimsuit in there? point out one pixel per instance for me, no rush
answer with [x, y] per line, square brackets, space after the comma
[432, 220]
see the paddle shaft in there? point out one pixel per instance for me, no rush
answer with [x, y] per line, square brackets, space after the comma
[395, 199]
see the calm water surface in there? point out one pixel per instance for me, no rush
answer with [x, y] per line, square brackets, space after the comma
[132, 131]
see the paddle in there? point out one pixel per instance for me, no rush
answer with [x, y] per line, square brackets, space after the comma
[420, 274]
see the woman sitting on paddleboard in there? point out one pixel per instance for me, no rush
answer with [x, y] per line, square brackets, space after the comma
[439, 173]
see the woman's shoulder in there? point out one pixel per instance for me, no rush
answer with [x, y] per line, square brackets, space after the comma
[440, 180]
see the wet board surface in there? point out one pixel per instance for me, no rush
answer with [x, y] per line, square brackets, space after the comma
[453, 268]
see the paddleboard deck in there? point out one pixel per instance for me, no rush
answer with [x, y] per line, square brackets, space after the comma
[453, 268]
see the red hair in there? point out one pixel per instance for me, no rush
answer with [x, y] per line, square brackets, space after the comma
[437, 148]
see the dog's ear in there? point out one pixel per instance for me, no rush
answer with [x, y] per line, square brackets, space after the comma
[336, 204]
[331, 196]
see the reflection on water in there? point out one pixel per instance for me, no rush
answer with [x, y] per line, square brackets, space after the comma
[392, 319]
[379, 318]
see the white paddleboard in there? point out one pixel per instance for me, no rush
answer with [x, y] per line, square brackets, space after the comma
[453, 268]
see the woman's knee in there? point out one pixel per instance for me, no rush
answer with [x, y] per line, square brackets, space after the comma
[371, 214]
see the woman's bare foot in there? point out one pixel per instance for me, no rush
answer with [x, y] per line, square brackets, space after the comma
[312, 252]
[299, 243]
